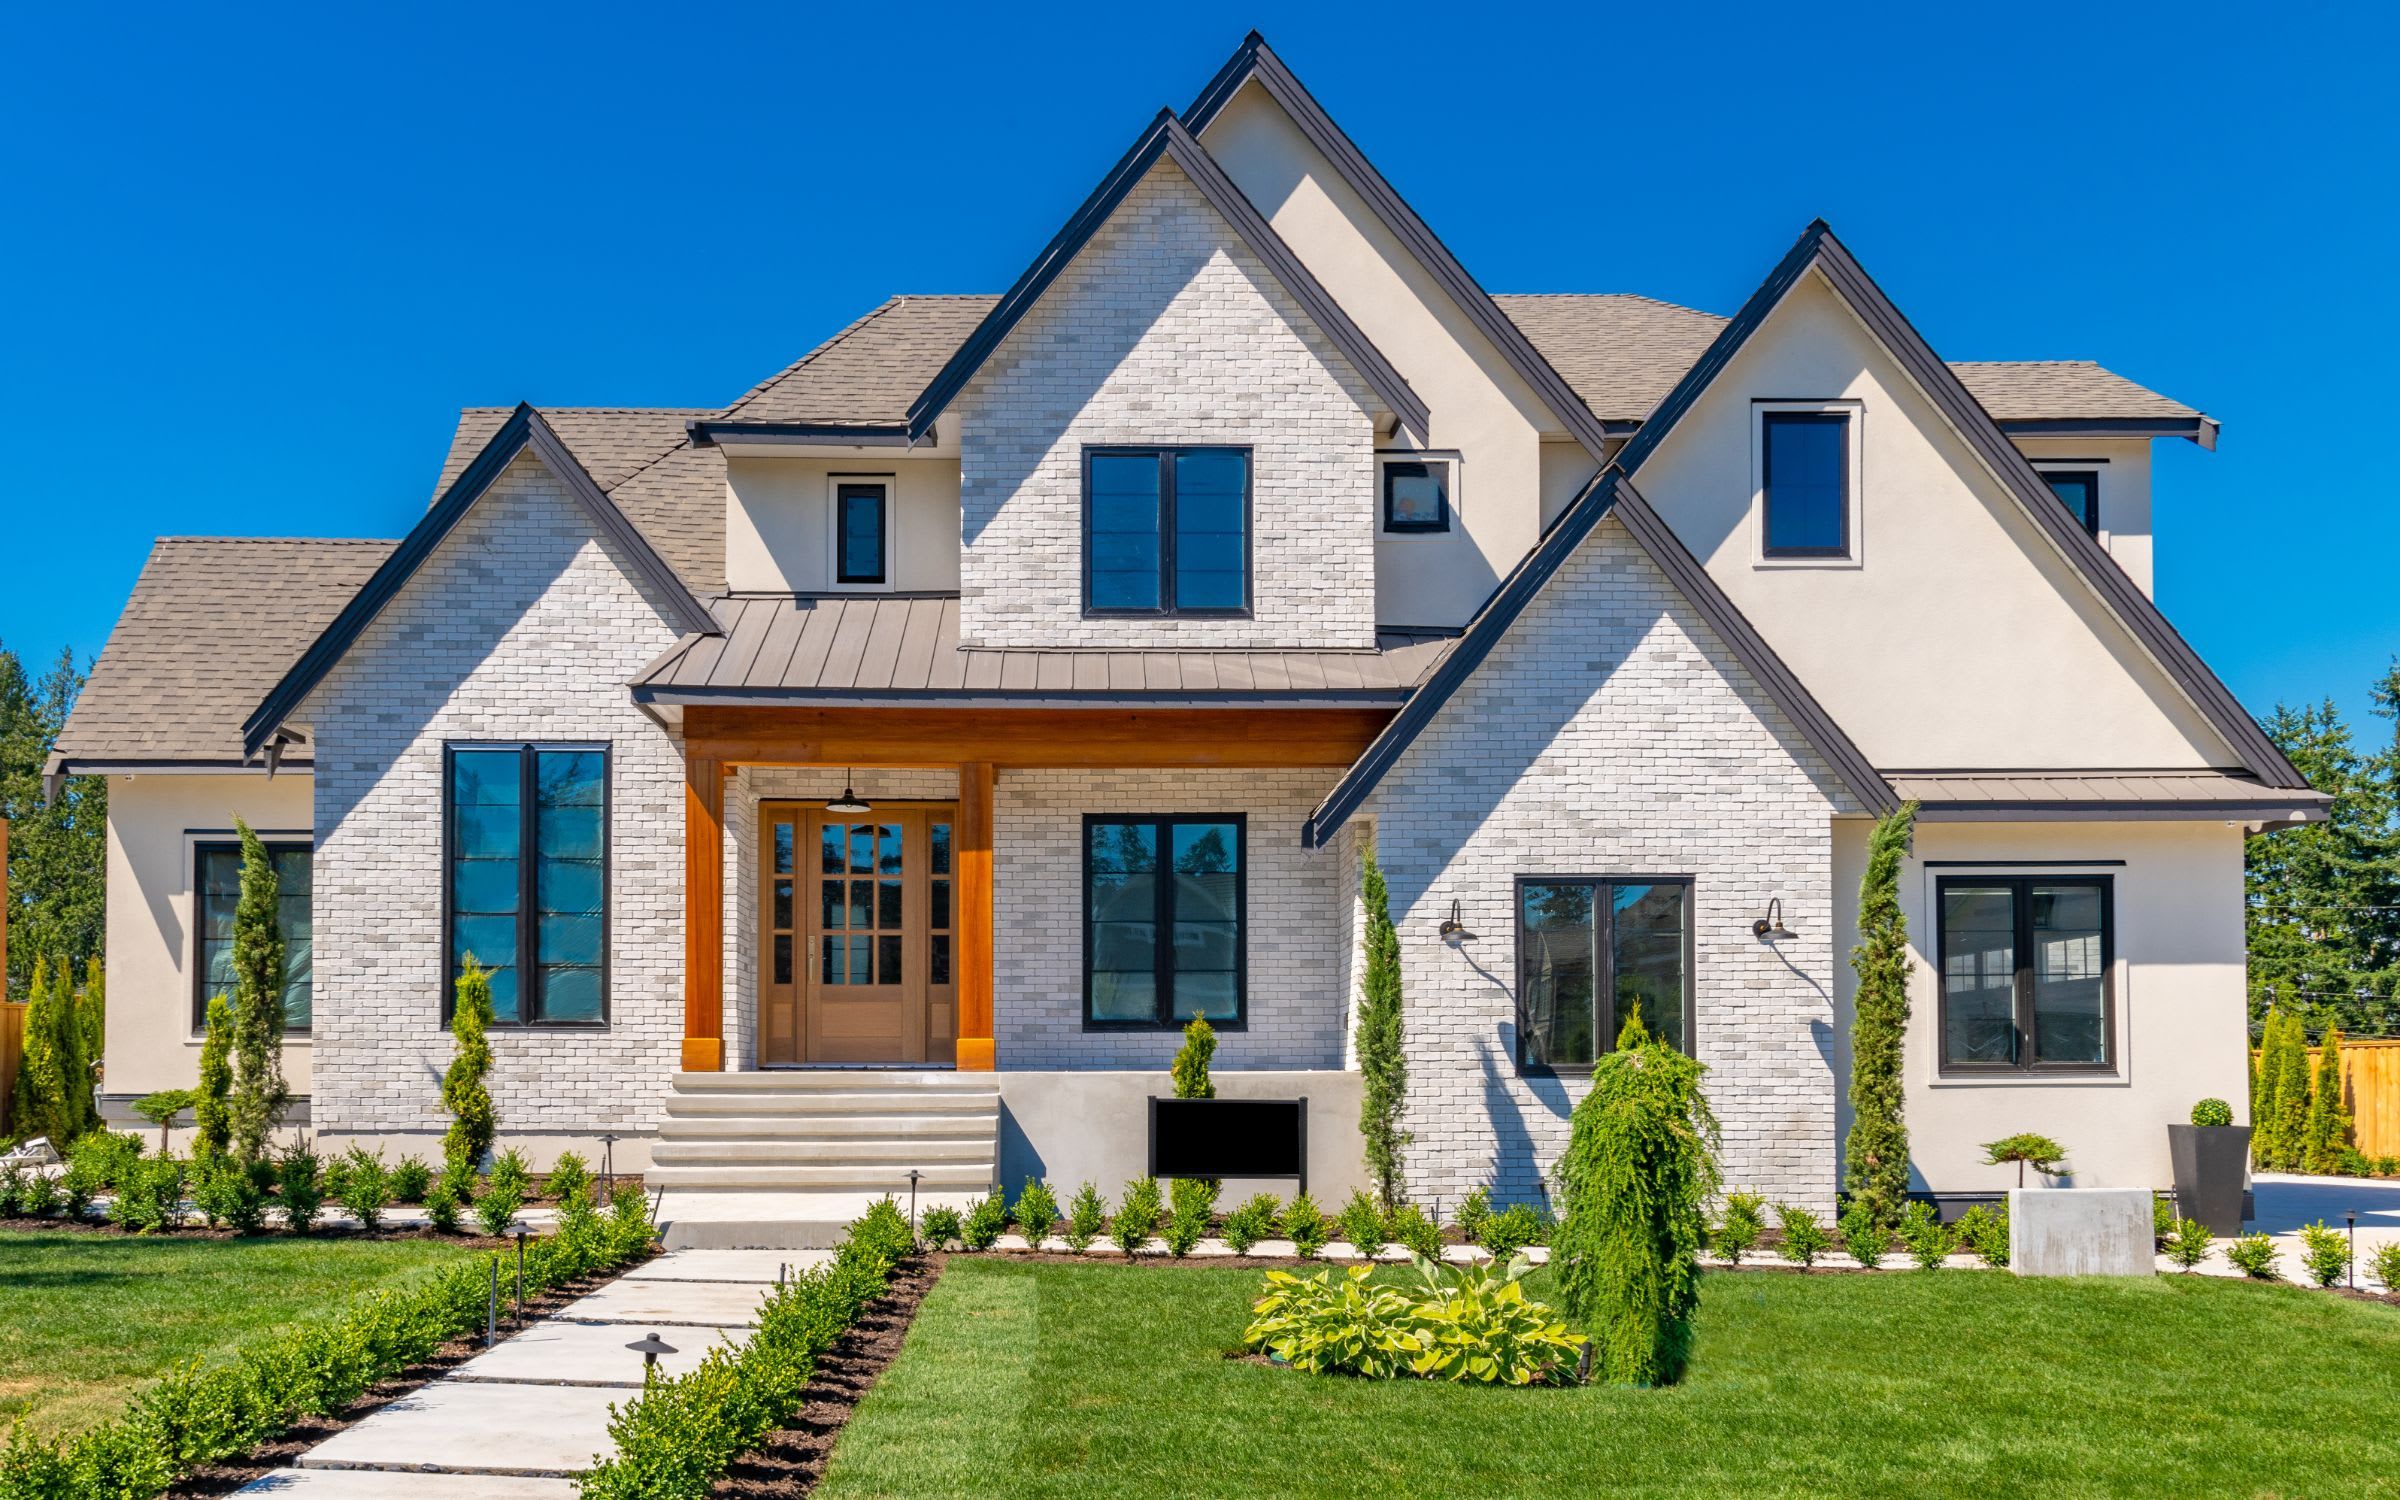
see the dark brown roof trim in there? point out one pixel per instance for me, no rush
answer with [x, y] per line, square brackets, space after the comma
[2201, 430]
[707, 433]
[1254, 59]
[2119, 812]
[1167, 137]
[1610, 491]
[523, 429]
[754, 697]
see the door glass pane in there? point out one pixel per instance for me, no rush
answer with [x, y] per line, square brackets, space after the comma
[862, 849]
[783, 905]
[1123, 509]
[939, 919]
[1979, 974]
[1210, 528]
[829, 969]
[862, 959]
[1557, 958]
[783, 848]
[1649, 942]
[937, 970]
[829, 857]
[1207, 909]
[887, 903]
[940, 863]
[887, 849]
[2069, 980]
[1806, 459]
[835, 911]
[887, 959]
[862, 903]
[1121, 873]
[783, 958]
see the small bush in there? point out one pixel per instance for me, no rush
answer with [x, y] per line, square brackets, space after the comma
[1250, 1223]
[460, 1181]
[2254, 1256]
[151, 1196]
[299, 1183]
[442, 1208]
[1190, 1068]
[2324, 1253]
[2187, 1245]
[1036, 1211]
[1473, 1211]
[1984, 1230]
[2384, 1266]
[567, 1174]
[987, 1218]
[1803, 1238]
[1414, 1228]
[105, 1156]
[497, 1209]
[411, 1180]
[1867, 1241]
[1087, 1216]
[40, 1197]
[228, 1195]
[1741, 1227]
[366, 1187]
[1926, 1238]
[1361, 1223]
[1512, 1229]
[1191, 1204]
[510, 1174]
[12, 1191]
[1137, 1216]
[2162, 1217]
[1303, 1223]
[2212, 1112]
[333, 1177]
[939, 1226]
[76, 1189]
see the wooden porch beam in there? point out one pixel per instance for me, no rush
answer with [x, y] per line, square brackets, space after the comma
[1069, 738]
[976, 1049]
[703, 915]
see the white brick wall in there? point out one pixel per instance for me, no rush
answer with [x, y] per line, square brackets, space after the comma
[1611, 733]
[1296, 1005]
[522, 626]
[1166, 330]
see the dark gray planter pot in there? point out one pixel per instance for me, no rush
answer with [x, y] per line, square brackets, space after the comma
[2210, 1163]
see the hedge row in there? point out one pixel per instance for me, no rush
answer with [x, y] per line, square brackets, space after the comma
[679, 1436]
[205, 1413]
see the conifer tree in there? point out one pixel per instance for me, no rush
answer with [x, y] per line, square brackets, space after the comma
[57, 854]
[1875, 1158]
[2327, 1133]
[91, 1011]
[1190, 1068]
[259, 1094]
[212, 1122]
[473, 1121]
[54, 1082]
[2291, 1095]
[1382, 1064]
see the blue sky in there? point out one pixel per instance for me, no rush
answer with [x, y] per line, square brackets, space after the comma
[254, 260]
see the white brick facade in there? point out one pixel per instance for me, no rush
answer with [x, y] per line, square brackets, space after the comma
[1166, 330]
[1610, 732]
[523, 626]
[1296, 931]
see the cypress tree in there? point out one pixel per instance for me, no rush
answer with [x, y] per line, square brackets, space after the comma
[1383, 1069]
[259, 1094]
[91, 1011]
[42, 1072]
[2266, 1077]
[1190, 1068]
[2291, 1095]
[1875, 1158]
[473, 1121]
[2328, 1129]
[211, 1117]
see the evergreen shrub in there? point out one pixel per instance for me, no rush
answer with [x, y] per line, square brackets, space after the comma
[1984, 1230]
[1303, 1223]
[1801, 1237]
[1087, 1216]
[298, 1182]
[567, 1174]
[1191, 1204]
[1864, 1237]
[1414, 1228]
[1382, 1061]
[938, 1226]
[2384, 1266]
[1253, 1221]
[2187, 1244]
[1138, 1216]
[2324, 1253]
[2254, 1255]
[1036, 1211]
[986, 1221]
[1926, 1238]
[1742, 1225]
[1361, 1223]
[1473, 1210]
[412, 1179]
[2212, 1112]
[1512, 1229]
[366, 1187]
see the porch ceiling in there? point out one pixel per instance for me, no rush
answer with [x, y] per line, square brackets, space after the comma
[1027, 736]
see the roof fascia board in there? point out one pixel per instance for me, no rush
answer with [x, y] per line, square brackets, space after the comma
[524, 428]
[707, 433]
[2117, 812]
[2200, 430]
[1254, 59]
[1167, 137]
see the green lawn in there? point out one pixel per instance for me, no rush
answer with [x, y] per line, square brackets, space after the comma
[86, 1319]
[1108, 1380]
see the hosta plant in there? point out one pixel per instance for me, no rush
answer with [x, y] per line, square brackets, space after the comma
[1351, 1327]
[1477, 1325]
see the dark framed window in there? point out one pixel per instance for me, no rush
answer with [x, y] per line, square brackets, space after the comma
[1416, 495]
[525, 879]
[1166, 531]
[2026, 981]
[1165, 920]
[862, 530]
[217, 890]
[2079, 491]
[1804, 468]
[1593, 950]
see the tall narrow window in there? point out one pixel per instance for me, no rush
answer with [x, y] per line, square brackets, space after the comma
[1590, 954]
[1804, 471]
[216, 890]
[1164, 914]
[2025, 972]
[528, 879]
[2079, 491]
[862, 531]
[1167, 531]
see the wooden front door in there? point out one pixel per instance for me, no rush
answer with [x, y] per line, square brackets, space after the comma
[855, 917]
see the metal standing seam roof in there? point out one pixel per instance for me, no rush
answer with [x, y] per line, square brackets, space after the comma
[787, 647]
[2172, 793]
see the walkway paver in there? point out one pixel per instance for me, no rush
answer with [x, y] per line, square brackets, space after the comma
[560, 1353]
[726, 1265]
[700, 1304]
[463, 1427]
[388, 1484]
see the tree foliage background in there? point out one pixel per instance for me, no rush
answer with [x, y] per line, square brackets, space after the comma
[56, 852]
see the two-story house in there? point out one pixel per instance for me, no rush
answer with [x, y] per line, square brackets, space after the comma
[1013, 678]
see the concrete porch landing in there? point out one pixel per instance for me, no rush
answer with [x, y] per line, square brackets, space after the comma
[699, 1219]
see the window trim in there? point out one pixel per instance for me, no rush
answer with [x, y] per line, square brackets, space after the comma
[1604, 939]
[2084, 468]
[1387, 459]
[1163, 961]
[2020, 883]
[834, 484]
[1167, 608]
[1852, 552]
[528, 931]
[195, 846]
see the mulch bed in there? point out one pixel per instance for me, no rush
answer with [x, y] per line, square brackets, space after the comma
[792, 1459]
[225, 1478]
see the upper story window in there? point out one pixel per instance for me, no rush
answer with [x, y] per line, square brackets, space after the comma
[217, 890]
[526, 878]
[862, 530]
[2079, 491]
[1590, 953]
[1416, 493]
[2025, 972]
[1164, 917]
[1166, 531]
[1807, 482]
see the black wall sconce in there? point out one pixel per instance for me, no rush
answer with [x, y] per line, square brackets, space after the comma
[1454, 930]
[1770, 928]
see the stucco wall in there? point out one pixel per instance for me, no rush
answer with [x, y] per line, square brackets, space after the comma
[1611, 733]
[2124, 470]
[778, 524]
[1166, 330]
[1075, 1127]
[153, 824]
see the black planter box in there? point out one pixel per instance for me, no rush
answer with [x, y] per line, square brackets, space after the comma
[1229, 1138]
[2211, 1162]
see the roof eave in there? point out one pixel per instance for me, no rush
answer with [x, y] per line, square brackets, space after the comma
[2201, 430]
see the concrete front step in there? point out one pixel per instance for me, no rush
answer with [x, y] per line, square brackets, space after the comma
[840, 1151]
[928, 1126]
[877, 1178]
[817, 1103]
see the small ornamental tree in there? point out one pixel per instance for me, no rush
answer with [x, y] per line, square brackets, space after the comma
[473, 1121]
[212, 1119]
[2027, 1149]
[1383, 1070]
[1639, 1169]
[258, 1097]
[1875, 1159]
[2326, 1133]
[161, 1108]
[1190, 1070]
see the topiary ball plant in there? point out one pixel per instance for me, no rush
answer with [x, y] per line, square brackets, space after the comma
[2212, 1112]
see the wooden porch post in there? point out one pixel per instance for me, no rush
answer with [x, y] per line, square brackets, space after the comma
[703, 916]
[974, 918]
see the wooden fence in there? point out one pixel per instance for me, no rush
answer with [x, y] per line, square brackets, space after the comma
[2371, 1087]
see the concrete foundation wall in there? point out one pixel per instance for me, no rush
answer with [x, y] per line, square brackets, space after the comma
[1072, 1128]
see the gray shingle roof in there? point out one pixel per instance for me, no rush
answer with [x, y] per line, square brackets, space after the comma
[214, 622]
[854, 646]
[870, 371]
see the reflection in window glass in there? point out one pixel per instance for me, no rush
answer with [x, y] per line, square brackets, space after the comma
[1591, 954]
[1806, 462]
[218, 888]
[2025, 971]
[528, 835]
[1196, 901]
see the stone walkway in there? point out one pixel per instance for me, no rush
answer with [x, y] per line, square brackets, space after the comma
[519, 1420]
